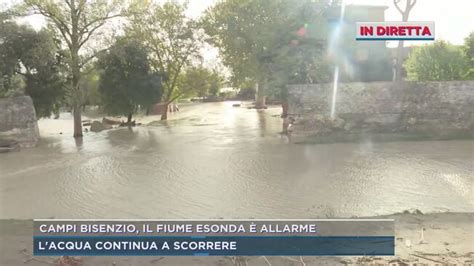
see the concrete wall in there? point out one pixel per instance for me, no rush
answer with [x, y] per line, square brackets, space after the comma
[429, 108]
[18, 120]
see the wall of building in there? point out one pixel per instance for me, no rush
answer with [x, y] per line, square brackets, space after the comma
[358, 61]
[18, 121]
[425, 108]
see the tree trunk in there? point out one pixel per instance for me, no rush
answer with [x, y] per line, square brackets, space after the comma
[284, 108]
[77, 106]
[164, 115]
[284, 126]
[129, 119]
[76, 71]
[77, 121]
[260, 97]
[398, 68]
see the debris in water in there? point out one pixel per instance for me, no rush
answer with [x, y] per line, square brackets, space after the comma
[413, 211]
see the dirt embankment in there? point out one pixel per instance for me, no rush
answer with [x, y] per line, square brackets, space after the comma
[427, 239]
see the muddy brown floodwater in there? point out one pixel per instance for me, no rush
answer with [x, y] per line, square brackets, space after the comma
[214, 160]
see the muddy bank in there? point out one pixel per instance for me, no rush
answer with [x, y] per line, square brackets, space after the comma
[447, 238]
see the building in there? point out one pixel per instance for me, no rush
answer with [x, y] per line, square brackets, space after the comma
[358, 60]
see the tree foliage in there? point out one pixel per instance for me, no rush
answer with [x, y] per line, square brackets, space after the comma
[437, 61]
[77, 23]
[469, 53]
[90, 85]
[200, 81]
[31, 63]
[270, 42]
[287, 41]
[172, 39]
[126, 80]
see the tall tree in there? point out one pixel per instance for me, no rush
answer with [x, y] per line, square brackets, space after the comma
[77, 23]
[126, 80]
[262, 40]
[31, 63]
[173, 40]
[405, 12]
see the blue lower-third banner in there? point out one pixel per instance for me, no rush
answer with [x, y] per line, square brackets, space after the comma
[214, 246]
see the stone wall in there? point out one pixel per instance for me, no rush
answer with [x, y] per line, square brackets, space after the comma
[18, 121]
[426, 108]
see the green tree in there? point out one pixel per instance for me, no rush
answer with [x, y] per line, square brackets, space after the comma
[200, 81]
[77, 23]
[269, 42]
[126, 80]
[172, 39]
[90, 86]
[437, 61]
[469, 53]
[30, 63]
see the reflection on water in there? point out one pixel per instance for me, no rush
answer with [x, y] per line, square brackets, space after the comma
[215, 160]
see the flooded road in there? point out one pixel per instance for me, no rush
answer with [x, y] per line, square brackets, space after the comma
[214, 160]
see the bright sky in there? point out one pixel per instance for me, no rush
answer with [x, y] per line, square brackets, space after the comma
[453, 19]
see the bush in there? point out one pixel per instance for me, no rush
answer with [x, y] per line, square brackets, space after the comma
[127, 81]
[469, 52]
[437, 61]
[246, 93]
